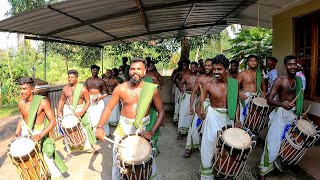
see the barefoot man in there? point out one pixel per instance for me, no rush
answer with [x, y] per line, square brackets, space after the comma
[136, 96]
[193, 138]
[188, 80]
[288, 87]
[38, 117]
[251, 84]
[223, 94]
[97, 91]
[112, 82]
[75, 100]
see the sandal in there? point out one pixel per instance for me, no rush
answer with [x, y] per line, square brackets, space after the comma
[69, 156]
[187, 154]
[179, 136]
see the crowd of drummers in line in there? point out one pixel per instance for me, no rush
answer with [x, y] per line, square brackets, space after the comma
[222, 112]
[217, 108]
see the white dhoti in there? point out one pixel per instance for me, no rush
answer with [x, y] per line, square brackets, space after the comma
[115, 114]
[279, 124]
[177, 101]
[69, 110]
[206, 104]
[128, 128]
[94, 112]
[185, 117]
[53, 169]
[193, 138]
[244, 104]
[216, 118]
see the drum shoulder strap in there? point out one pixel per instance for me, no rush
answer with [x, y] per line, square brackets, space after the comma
[300, 93]
[76, 95]
[232, 97]
[36, 100]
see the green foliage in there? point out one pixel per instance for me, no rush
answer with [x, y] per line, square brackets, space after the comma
[255, 40]
[9, 110]
[20, 6]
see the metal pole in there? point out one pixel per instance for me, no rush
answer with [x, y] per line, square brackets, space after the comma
[45, 60]
[102, 59]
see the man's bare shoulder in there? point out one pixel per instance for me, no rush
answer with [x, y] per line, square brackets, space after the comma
[121, 87]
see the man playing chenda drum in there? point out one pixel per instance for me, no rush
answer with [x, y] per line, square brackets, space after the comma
[288, 87]
[251, 84]
[136, 96]
[75, 100]
[39, 118]
[97, 91]
[223, 94]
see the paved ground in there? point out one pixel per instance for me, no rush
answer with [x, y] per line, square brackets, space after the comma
[171, 164]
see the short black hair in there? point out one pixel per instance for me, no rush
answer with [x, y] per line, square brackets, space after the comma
[234, 62]
[150, 62]
[252, 56]
[95, 66]
[221, 59]
[134, 60]
[209, 60]
[195, 63]
[288, 58]
[74, 72]
[275, 60]
[115, 69]
[148, 58]
[124, 59]
[186, 61]
[26, 80]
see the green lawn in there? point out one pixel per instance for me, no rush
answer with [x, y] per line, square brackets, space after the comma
[8, 110]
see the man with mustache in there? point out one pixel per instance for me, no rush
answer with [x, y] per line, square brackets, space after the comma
[251, 84]
[234, 66]
[38, 117]
[75, 100]
[186, 85]
[288, 88]
[223, 94]
[97, 91]
[136, 96]
[111, 83]
[193, 138]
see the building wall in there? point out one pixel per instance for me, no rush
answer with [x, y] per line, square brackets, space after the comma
[283, 39]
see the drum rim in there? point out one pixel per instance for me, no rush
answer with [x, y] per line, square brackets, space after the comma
[25, 156]
[259, 105]
[304, 133]
[129, 164]
[251, 134]
[62, 120]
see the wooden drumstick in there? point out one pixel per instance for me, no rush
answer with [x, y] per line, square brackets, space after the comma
[296, 96]
[307, 110]
[110, 140]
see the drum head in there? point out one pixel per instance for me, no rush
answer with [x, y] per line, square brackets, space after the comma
[21, 147]
[237, 138]
[69, 121]
[306, 127]
[136, 149]
[261, 102]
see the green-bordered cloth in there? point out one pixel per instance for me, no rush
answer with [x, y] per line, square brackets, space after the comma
[232, 97]
[47, 144]
[85, 118]
[259, 80]
[300, 94]
[153, 116]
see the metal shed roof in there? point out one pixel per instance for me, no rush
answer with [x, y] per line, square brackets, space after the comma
[103, 22]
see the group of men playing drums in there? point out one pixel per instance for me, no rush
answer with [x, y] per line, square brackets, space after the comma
[224, 111]
[219, 113]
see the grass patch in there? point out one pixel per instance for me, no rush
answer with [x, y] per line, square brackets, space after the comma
[9, 110]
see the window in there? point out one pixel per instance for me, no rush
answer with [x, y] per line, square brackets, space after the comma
[307, 49]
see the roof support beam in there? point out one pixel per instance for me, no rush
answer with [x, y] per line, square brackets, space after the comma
[81, 21]
[165, 30]
[142, 14]
[234, 9]
[187, 17]
[126, 13]
[61, 41]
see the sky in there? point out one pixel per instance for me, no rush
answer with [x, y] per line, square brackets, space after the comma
[7, 40]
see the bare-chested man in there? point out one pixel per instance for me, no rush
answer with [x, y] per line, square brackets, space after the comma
[133, 93]
[288, 88]
[33, 110]
[153, 74]
[234, 66]
[193, 138]
[251, 84]
[218, 114]
[176, 77]
[115, 74]
[186, 86]
[75, 100]
[97, 91]
[111, 82]
[201, 68]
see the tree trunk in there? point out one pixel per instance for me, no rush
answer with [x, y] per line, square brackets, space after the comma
[197, 54]
[185, 48]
